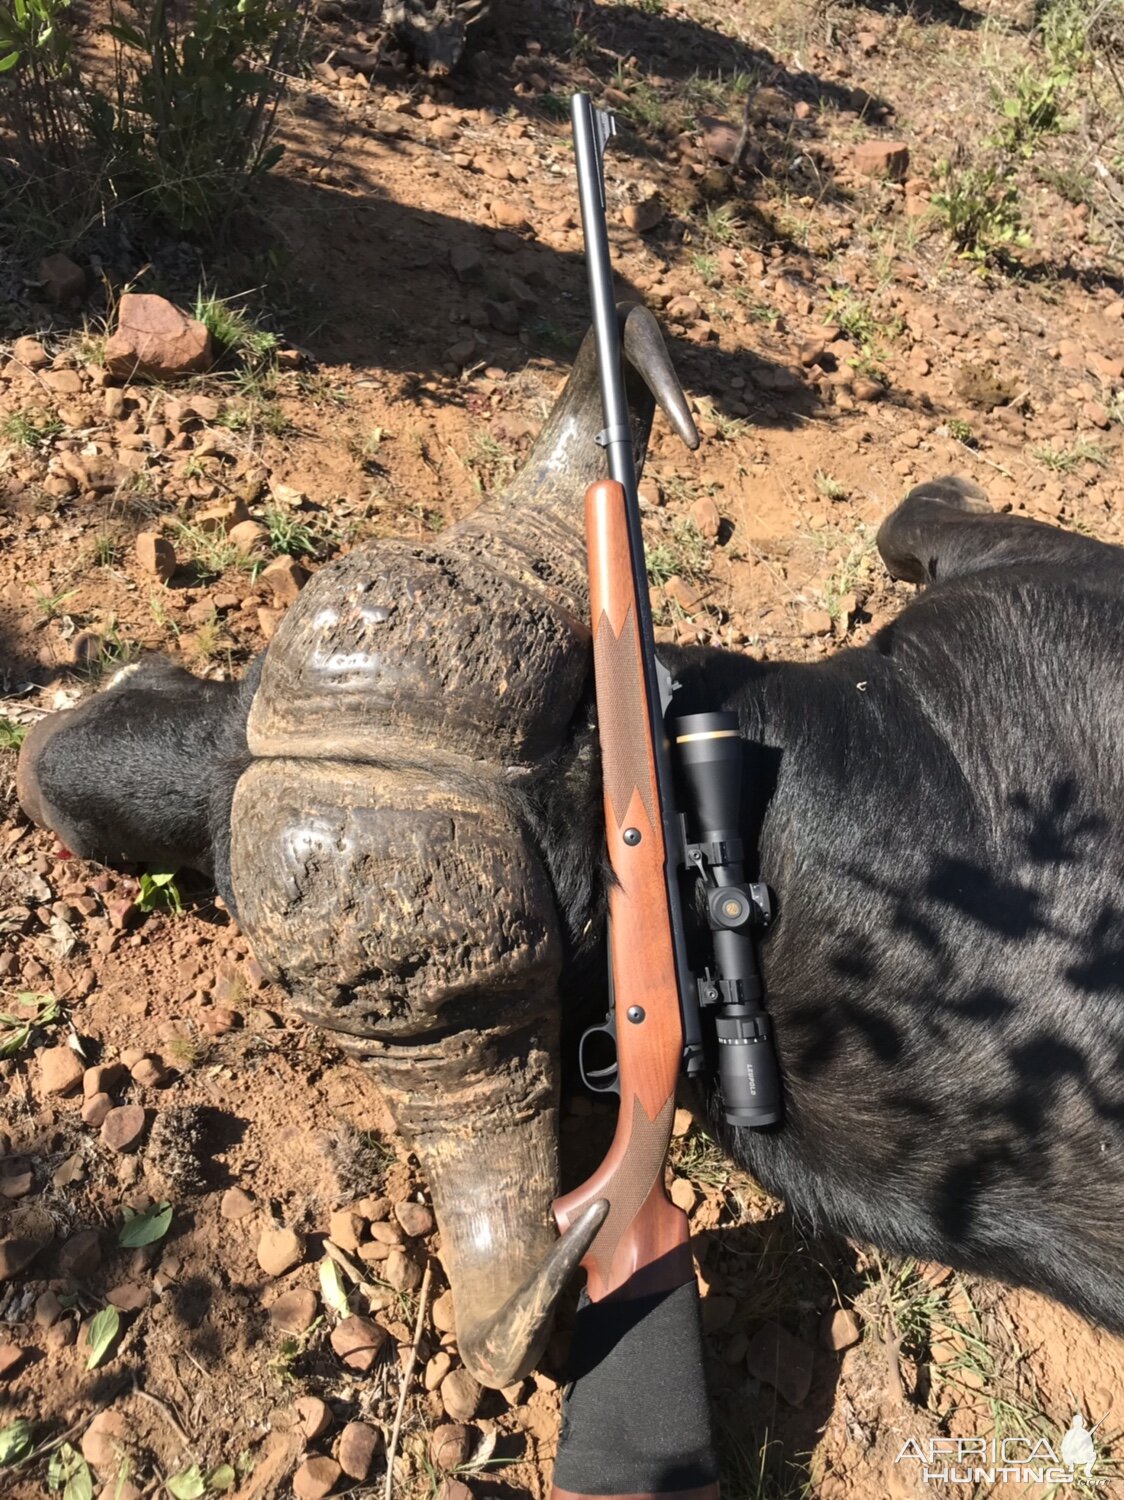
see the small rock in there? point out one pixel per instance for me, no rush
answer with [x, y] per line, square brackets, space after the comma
[811, 352]
[683, 1194]
[113, 403]
[345, 1229]
[221, 519]
[460, 1395]
[63, 281]
[95, 1109]
[467, 263]
[415, 1218]
[236, 1204]
[156, 555]
[284, 578]
[268, 621]
[782, 1361]
[104, 1441]
[882, 159]
[295, 1311]
[719, 138]
[510, 216]
[10, 1357]
[839, 1330]
[863, 388]
[358, 1342]
[313, 1416]
[682, 1122]
[386, 1233]
[436, 1369]
[503, 316]
[73, 1169]
[80, 1256]
[123, 1127]
[443, 1313]
[705, 515]
[316, 1478]
[30, 352]
[358, 1448]
[248, 537]
[122, 914]
[643, 217]
[130, 1296]
[279, 1250]
[16, 1178]
[148, 1071]
[680, 592]
[815, 622]
[60, 1070]
[449, 1445]
[717, 1312]
[48, 1309]
[401, 1272]
[64, 382]
[454, 1489]
[155, 341]
[103, 1078]
[684, 309]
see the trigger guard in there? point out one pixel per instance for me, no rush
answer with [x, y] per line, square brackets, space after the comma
[592, 1077]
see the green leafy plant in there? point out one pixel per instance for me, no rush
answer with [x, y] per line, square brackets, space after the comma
[17, 1031]
[234, 331]
[102, 1335]
[829, 487]
[1032, 109]
[144, 1228]
[288, 535]
[683, 551]
[15, 1441]
[963, 433]
[979, 205]
[36, 66]
[1065, 460]
[31, 429]
[195, 102]
[69, 1472]
[11, 735]
[159, 892]
[50, 605]
[188, 1485]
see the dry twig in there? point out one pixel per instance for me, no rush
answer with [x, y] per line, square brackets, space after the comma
[407, 1376]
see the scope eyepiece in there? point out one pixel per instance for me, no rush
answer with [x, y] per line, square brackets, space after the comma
[747, 1068]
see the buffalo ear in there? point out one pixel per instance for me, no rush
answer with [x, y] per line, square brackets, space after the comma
[129, 775]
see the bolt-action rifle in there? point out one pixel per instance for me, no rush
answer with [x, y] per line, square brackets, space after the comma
[636, 1421]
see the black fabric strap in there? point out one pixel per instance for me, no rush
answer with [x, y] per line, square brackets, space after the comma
[636, 1420]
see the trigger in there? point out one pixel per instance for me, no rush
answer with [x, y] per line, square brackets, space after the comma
[597, 1059]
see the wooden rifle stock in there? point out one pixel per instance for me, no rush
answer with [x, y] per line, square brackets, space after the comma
[644, 1236]
[641, 1321]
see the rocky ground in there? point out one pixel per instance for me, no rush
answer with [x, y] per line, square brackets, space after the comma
[403, 301]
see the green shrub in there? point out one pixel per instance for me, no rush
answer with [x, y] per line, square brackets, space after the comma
[979, 205]
[195, 105]
[177, 132]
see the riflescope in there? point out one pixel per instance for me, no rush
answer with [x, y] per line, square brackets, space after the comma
[708, 754]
